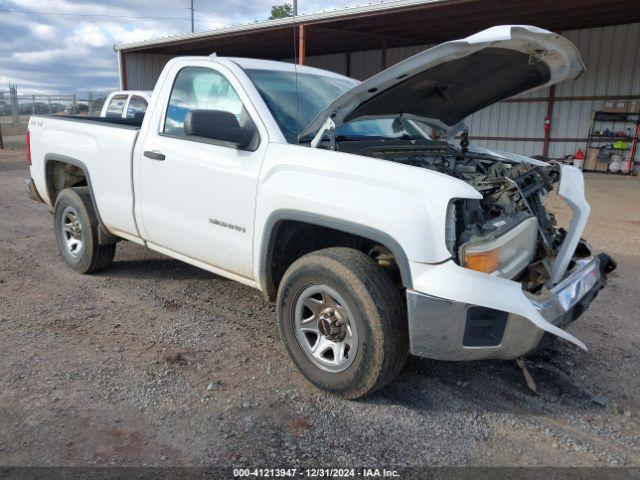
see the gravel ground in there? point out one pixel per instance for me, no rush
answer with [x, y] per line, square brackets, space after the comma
[154, 362]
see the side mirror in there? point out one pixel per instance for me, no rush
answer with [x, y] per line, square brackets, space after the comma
[218, 125]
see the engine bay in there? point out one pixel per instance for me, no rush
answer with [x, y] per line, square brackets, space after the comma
[512, 192]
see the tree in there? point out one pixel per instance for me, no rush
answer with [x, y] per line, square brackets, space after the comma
[281, 11]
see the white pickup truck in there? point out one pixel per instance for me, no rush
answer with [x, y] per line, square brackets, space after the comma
[126, 104]
[354, 206]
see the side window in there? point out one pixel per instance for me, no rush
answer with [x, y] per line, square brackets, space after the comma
[199, 88]
[116, 106]
[137, 107]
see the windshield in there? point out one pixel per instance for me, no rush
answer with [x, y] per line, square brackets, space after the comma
[293, 112]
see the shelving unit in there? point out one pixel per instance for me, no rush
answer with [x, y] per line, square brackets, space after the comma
[598, 141]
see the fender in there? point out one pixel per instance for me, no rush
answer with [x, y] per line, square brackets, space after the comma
[105, 237]
[400, 206]
[336, 224]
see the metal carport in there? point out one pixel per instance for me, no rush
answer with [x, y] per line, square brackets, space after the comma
[363, 40]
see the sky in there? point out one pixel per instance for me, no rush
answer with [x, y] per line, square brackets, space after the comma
[66, 46]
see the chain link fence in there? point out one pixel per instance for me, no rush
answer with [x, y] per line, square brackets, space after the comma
[16, 109]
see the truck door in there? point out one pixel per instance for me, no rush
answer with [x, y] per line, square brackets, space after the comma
[197, 197]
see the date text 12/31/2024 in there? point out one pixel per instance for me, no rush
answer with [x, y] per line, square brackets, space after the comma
[315, 473]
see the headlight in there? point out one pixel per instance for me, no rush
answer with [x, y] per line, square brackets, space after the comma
[506, 255]
[450, 227]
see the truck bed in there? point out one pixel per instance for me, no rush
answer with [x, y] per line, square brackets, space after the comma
[110, 121]
[103, 148]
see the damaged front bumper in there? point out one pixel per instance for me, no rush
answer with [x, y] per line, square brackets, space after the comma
[445, 329]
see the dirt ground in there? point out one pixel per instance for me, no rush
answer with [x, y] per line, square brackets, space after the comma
[9, 128]
[154, 362]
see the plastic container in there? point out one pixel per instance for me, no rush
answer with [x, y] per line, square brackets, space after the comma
[616, 163]
[578, 159]
[624, 166]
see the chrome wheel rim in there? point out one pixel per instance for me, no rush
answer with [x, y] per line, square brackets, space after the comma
[72, 233]
[324, 328]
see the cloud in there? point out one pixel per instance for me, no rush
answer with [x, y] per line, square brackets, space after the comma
[89, 35]
[45, 32]
[121, 34]
[65, 46]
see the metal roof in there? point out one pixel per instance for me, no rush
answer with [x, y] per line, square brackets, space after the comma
[281, 22]
[397, 23]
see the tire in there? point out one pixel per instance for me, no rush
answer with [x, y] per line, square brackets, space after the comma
[76, 227]
[368, 300]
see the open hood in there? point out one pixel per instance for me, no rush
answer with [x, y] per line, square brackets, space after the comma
[445, 84]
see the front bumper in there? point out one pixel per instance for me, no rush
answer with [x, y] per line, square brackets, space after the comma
[450, 330]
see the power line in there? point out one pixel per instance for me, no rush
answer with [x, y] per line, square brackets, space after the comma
[118, 3]
[26, 12]
[136, 6]
[235, 7]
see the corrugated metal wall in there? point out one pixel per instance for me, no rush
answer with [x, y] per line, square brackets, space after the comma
[143, 69]
[612, 56]
[363, 64]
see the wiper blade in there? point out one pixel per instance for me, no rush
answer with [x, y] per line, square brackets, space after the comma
[370, 137]
[342, 138]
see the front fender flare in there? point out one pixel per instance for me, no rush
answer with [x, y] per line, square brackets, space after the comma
[336, 224]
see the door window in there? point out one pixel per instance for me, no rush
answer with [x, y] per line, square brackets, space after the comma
[137, 107]
[199, 88]
[116, 106]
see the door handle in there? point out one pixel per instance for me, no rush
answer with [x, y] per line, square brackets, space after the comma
[154, 154]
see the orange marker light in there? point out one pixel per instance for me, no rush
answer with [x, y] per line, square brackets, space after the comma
[486, 262]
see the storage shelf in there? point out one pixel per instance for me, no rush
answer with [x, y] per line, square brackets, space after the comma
[599, 141]
[608, 172]
[610, 139]
[630, 117]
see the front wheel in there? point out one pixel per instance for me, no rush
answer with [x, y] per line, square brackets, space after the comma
[342, 321]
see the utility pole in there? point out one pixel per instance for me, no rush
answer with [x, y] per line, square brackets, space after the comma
[191, 8]
[295, 8]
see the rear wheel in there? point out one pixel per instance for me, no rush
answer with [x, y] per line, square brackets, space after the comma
[76, 227]
[342, 321]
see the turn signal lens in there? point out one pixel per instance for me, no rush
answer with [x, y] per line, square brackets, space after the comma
[506, 255]
[486, 262]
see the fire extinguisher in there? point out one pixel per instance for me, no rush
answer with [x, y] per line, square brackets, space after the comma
[547, 125]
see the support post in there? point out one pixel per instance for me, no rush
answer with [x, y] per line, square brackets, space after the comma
[348, 67]
[547, 128]
[383, 54]
[75, 106]
[123, 70]
[90, 101]
[301, 45]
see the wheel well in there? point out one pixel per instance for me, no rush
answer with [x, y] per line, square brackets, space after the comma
[61, 175]
[292, 239]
